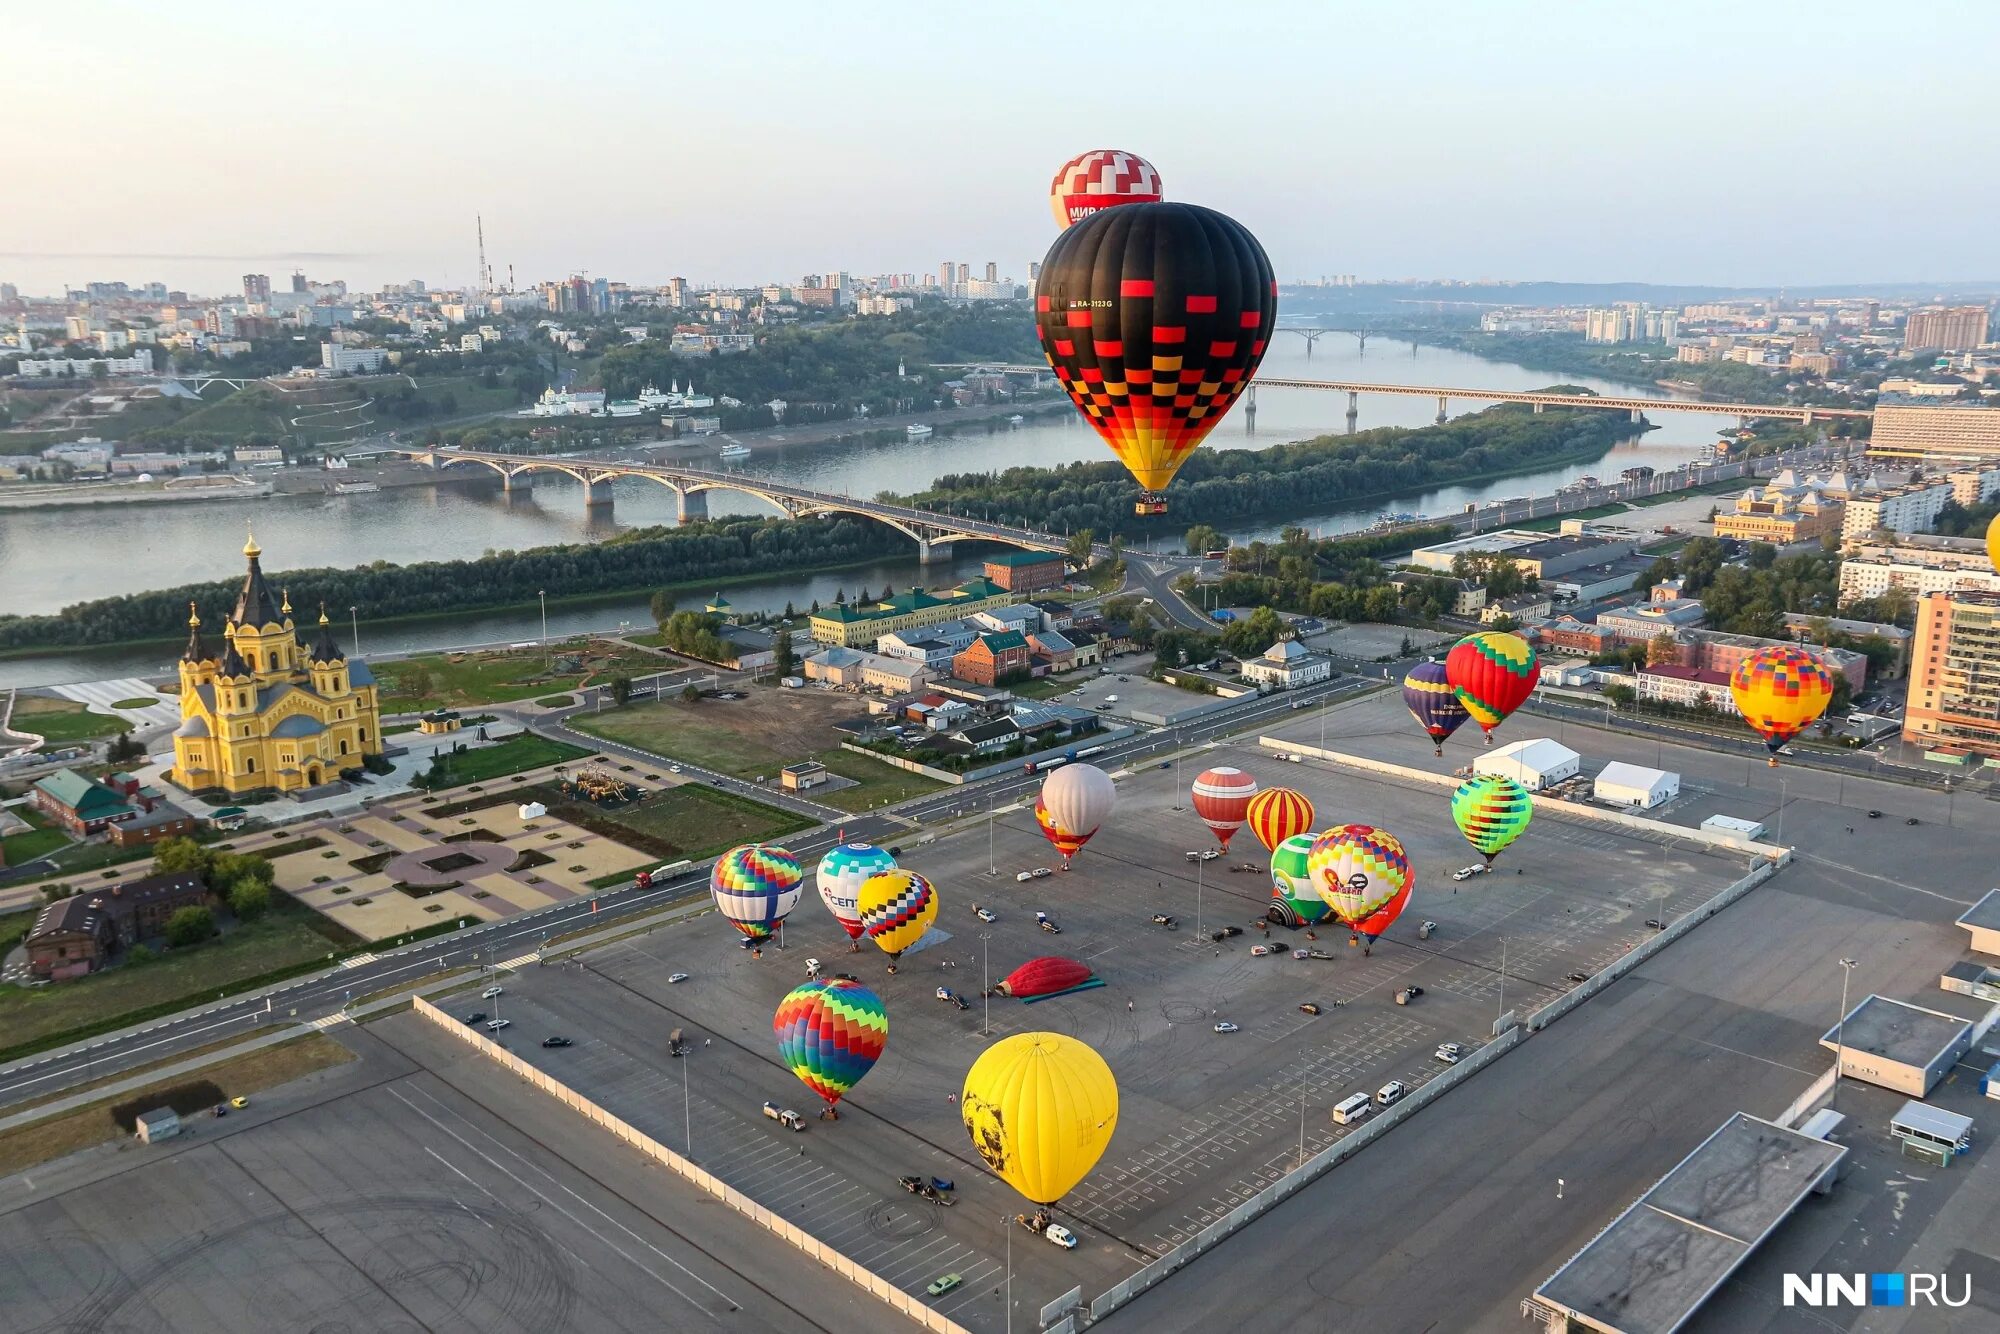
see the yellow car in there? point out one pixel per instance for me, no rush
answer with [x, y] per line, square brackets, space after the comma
[239, 1102]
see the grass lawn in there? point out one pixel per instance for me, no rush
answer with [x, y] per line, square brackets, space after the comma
[556, 701]
[511, 756]
[463, 679]
[37, 842]
[136, 702]
[13, 926]
[691, 821]
[1726, 487]
[65, 720]
[79, 857]
[709, 735]
[282, 939]
[1049, 687]
[245, 1075]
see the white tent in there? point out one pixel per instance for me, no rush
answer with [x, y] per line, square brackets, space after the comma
[1534, 764]
[1635, 785]
[532, 810]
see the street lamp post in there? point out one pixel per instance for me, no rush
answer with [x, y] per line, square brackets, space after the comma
[1004, 1227]
[1200, 864]
[1847, 967]
[354, 624]
[992, 868]
[543, 594]
[985, 987]
[1501, 1013]
[687, 1115]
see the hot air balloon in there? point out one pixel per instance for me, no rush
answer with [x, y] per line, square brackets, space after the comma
[841, 873]
[830, 1034]
[1074, 801]
[1277, 813]
[1050, 975]
[1101, 178]
[1493, 673]
[1432, 702]
[1154, 317]
[756, 886]
[1780, 690]
[1040, 1108]
[1993, 541]
[1294, 901]
[1491, 810]
[1363, 874]
[1222, 798]
[897, 907]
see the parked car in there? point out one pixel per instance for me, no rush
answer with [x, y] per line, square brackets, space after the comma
[1449, 1052]
[476, 1017]
[1041, 873]
[986, 914]
[785, 1117]
[1913, 820]
[952, 997]
[1225, 932]
[1467, 872]
[495, 1025]
[1294, 759]
[1408, 994]
[491, 992]
[1309, 1008]
[1061, 1236]
[1047, 923]
[1259, 951]
[1656, 924]
[1166, 920]
[677, 977]
[1874, 815]
[557, 1042]
[1224, 1026]
[940, 1286]
[1391, 1092]
[1023, 877]
[1579, 977]
[1424, 931]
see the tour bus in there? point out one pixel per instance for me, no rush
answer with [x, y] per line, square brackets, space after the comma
[1349, 1110]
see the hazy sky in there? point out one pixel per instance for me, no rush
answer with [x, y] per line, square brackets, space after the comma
[1696, 142]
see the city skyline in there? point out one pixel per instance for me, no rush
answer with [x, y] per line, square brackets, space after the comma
[1474, 146]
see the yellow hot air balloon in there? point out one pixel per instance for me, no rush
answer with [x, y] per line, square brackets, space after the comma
[1993, 541]
[1040, 1108]
[896, 908]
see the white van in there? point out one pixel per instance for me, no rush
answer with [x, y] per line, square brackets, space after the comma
[1391, 1092]
[1111, 699]
[1349, 1110]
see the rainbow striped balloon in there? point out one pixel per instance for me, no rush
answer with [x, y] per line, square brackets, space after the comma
[1492, 811]
[756, 886]
[830, 1034]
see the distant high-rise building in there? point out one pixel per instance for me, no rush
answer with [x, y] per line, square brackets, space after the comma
[945, 275]
[600, 297]
[1930, 432]
[1954, 701]
[9, 294]
[299, 280]
[257, 287]
[992, 271]
[1947, 328]
[677, 291]
[1034, 270]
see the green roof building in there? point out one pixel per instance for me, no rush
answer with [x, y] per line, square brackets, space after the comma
[860, 624]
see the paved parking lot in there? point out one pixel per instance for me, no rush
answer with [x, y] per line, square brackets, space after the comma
[1206, 1119]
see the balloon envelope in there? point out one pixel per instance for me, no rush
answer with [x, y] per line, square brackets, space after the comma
[1074, 801]
[1101, 178]
[1358, 869]
[1277, 813]
[1040, 1108]
[1432, 702]
[1222, 800]
[1780, 690]
[830, 1034]
[841, 874]
[1294, 901]
[1154, 318]
[1492, 673]
[897, 907]
[1044, 977]
[1993, 541]
[1491, 810]
[756, 886]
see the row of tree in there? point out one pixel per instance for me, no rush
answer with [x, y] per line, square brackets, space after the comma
[643, 557]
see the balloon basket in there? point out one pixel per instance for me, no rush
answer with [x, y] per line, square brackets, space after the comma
[1150, 502]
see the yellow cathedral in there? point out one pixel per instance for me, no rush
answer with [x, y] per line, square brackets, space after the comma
[266, 713]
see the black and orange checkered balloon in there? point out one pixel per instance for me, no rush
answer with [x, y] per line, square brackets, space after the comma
[1154, 318]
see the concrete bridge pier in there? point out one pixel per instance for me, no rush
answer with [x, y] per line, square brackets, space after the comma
[1353, 409]
[1539, 407]
[597, 494]
[1250, 407]
[1637, 414]
[1442, 415]
[514, 483]
[931, 550]
[1362, 338]
[1806, 419]
[691, 506]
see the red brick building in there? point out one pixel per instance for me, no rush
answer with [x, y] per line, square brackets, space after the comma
[1025, 571]
[77, 935]
[992, 659]
[1566, 634]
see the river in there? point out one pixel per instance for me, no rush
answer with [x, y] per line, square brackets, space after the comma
[51, 558]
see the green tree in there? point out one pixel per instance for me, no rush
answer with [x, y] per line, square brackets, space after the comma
[190, 926]
[1662, 648]
[173, 856]
[1503, 622]
[1621, 696]
[691, 694]
[1203, 537]
[1078, 550]
[621, 690]
[249, 900]
[413, 681]
[661, 605]
[784, 656]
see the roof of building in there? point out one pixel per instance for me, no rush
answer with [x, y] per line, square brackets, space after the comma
[1003, 641]
[358, 674]
[989, 731]
[299, 724]
[1984, 914]
[78, 912]
[197, 649]
[1620, 774]
[805, 767]
[80, 794]
[903, 604]
[745, 637]
[1678, 612]
[1049, 641]
[1534, 752]
[836, 656]
[1016, 559]
[1707, 676]
[254, 605]
[903, 667]
[162, 814]
[192, 725]
[1897, 1031]
[1932, 1121]
[1841, 625]
[1288, 651]
[324, 648]
[1651, 1270]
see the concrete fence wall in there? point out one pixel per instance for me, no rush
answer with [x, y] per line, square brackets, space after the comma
[1574, 809]
[865, 1279]
[1318, 1165]
[1103, 737]
[1817, 1092]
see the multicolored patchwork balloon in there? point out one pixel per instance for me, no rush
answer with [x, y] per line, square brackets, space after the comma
[1294, 901]
[830, 1033]
[1780, 691]
[1491, 810]
[1277, 813]
[897, 907]
[1222, 800]
[1428, 695]
[842, 872]
[1360, 871]
[756, 886]
[1492, 673]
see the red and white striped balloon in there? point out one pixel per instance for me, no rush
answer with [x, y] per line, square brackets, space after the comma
[1222, 800]
[1101, 178]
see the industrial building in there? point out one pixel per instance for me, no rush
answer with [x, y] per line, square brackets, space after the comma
[1897, 1045]
[1535, 764]
[1622, 784]
[1982, 920]
[1735, 826]
[1537, 554]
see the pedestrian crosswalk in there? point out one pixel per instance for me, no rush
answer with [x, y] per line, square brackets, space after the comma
[357, 960]
[327, 1021]
[521, 961]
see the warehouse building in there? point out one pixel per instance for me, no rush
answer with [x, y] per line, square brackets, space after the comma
[1535, 764]
[1622, 784]
[1898, 1045]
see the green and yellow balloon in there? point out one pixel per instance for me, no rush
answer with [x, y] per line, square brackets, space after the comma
[1491, 811]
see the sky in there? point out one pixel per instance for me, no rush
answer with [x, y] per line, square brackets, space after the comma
[1728, 143]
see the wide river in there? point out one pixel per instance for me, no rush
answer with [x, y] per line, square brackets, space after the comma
[51, 558]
